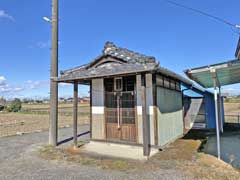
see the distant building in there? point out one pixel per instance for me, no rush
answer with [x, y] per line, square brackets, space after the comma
[62, 99]
[225, 95]
[84, 100]
[69, 99]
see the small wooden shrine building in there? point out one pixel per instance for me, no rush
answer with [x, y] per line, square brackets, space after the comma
[133, 99]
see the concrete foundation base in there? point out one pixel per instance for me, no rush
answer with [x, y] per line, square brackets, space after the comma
[117, 150]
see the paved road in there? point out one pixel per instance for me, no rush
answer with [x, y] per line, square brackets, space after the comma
[18, 162]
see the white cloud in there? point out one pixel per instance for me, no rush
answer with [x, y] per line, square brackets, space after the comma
[2, 81]
[231, 90]
[32, 88]
[64, 84]
[18, 89]
[29, 81]
[42, 44]
[5, 88]
[5, 15]
[36, 84]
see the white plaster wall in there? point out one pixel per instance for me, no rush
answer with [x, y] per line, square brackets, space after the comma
[98, 109]
[98, 93]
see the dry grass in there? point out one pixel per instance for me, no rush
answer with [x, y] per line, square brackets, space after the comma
[181, 155]
[232, 111]
[63, 108]
[198, 165]
[36, 118]
[232, 108]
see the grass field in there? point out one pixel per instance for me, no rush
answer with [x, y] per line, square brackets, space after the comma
[35, 117]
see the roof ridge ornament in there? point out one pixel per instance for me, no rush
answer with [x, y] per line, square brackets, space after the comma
[131, 56]
[108, 47]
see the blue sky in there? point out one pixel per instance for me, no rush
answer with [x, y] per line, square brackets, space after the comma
[178, 38]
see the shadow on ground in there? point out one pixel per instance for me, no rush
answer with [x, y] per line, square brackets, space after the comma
[229, 140]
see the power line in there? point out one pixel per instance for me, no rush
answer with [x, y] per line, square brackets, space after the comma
[205, 14]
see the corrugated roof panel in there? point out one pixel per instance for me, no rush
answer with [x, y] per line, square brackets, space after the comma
[227, 73]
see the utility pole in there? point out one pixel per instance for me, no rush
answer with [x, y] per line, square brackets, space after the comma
[53, 128]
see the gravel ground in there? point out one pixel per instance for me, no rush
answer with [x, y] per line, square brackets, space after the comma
[18, 161]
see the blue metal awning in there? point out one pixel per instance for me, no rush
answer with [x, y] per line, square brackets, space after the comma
[226, 73]
[216, 75]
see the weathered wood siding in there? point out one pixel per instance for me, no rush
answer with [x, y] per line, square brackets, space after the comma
[170, 115]
[98, 124]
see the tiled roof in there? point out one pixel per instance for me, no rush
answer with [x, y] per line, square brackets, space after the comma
[127, 55]
[132, 62]
[124, 54]
[129, 62]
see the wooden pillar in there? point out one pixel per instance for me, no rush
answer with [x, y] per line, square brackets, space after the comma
[155, 118]
[75, 113]
[145, 117]
[91, 109]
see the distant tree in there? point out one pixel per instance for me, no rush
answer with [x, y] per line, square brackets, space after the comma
[25, 100]
[14, 106]
[39, 101]
[226, 100]
[2, 101]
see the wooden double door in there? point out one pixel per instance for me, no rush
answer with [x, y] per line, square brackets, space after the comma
[120, 116]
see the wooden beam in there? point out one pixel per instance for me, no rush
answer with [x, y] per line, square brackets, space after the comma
[75, 113]
[145, 117]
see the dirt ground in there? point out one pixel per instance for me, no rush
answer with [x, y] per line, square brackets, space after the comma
[35, 118]
[26, 157]
[63, 108]
[182, 156]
